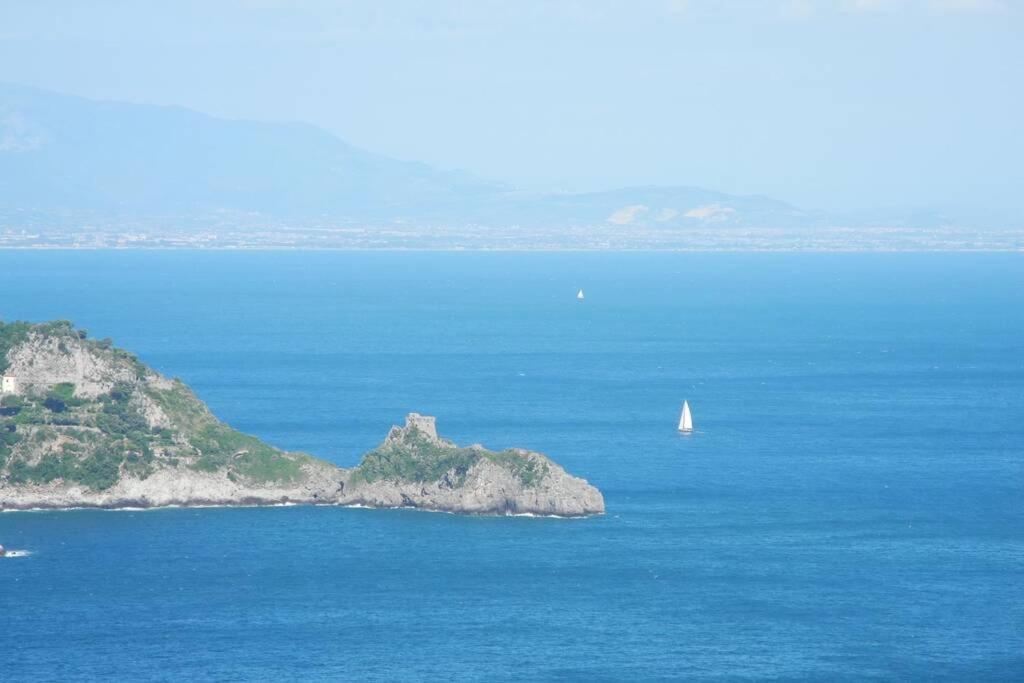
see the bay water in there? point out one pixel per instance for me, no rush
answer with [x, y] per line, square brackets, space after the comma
[850, 505]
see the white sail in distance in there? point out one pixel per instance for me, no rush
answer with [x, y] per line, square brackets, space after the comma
[685, 419]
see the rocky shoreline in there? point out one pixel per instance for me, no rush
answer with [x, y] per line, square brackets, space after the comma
[86, 425]
[488, 490]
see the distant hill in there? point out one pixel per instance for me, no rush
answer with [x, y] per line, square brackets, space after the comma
[59, 152]
[64, 155]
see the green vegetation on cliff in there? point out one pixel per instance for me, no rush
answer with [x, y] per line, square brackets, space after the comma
[131, 422]
[219, 445]
[415, 457]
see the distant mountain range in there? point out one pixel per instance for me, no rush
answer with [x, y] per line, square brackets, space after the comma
[60, 153]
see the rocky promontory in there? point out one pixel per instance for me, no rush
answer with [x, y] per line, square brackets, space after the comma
[84, 424]
[416, 468]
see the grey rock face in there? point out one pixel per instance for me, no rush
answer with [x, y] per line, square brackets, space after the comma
[490, 485]
[319, 484]
[44, 361]
[488, 489]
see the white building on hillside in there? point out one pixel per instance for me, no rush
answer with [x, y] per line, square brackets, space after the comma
[8, 385]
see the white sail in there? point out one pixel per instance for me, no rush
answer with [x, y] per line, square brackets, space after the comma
[579, 294]
[686, 420]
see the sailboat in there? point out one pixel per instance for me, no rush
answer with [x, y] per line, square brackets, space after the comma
[686, 420]
[579, 295]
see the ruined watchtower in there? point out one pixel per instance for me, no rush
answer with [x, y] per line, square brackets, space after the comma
[424, 423]
[8, 385]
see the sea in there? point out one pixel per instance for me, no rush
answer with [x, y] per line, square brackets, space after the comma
[850, 505]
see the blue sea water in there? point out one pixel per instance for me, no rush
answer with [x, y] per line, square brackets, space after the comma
[851, 505]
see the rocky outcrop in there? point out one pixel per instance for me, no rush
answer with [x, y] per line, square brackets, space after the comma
[471, 480]
[489, 490]
[91, 426]
[48, 359]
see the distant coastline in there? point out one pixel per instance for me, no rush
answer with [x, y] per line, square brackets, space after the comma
[234, 184]
[494, 240]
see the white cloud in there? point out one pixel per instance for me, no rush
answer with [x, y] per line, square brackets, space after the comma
[969, 5]
[806, 8]
[870, 5]
[677, 6]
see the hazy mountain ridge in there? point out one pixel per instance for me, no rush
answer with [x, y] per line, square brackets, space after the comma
[64, 152]
[66, 159]
[59, 152]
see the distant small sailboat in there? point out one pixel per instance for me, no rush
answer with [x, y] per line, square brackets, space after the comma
[579, 295]
[686, 420]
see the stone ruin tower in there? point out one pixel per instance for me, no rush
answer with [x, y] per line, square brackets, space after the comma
[425, 423]
[8, 385]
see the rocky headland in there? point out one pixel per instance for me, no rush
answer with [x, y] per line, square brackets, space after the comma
[84, 424]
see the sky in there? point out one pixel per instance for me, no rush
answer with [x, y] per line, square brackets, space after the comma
[828, 104]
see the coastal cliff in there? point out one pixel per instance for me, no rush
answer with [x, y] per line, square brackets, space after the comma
[84, 424]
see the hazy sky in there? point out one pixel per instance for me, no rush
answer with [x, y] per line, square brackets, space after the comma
[825, 103]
